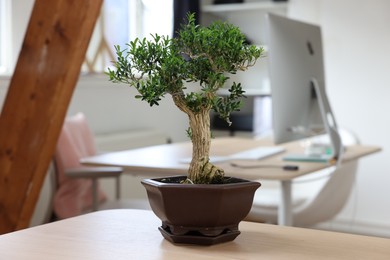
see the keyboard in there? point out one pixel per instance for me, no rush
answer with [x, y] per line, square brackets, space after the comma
[257, 153]
[252, 154]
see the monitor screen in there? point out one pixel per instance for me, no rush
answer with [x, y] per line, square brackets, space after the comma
[300, 107]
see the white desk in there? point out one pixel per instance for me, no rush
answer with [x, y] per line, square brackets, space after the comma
[163, 160]
[132, 234]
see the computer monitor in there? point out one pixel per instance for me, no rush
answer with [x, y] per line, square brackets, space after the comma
[300, 107]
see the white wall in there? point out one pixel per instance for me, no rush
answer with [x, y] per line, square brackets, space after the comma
[112, 107]
[357, 62]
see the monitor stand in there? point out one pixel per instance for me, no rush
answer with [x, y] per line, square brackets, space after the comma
[329, 121]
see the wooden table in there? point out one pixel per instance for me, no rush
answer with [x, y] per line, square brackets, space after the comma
[164, 160]
[133, 234]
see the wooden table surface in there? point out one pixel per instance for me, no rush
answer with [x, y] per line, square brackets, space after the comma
[133, 234]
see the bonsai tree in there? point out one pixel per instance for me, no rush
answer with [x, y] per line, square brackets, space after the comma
[199, 54]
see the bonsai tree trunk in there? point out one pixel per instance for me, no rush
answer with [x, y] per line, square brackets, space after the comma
[200, 170]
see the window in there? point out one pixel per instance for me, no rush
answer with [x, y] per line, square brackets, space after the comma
[157, 17]
[120, 22]
[125, 20]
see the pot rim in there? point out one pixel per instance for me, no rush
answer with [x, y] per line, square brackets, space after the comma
[155, 182]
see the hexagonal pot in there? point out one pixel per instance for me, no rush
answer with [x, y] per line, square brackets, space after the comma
[202, 214]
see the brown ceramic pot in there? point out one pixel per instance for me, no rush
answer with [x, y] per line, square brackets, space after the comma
[200, 213]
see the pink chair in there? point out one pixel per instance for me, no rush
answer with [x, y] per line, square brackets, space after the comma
[77, 186]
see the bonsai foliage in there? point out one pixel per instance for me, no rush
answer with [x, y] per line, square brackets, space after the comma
[199, 54]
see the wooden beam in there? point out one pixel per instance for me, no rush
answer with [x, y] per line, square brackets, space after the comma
[40, 91]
